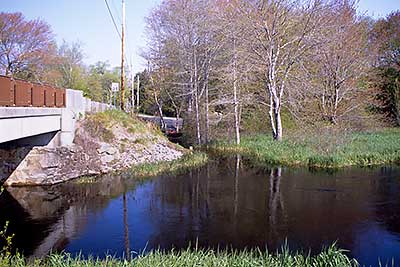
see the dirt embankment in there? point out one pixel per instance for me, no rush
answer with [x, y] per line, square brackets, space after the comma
[104, 142]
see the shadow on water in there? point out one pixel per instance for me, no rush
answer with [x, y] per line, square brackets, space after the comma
[227, 203]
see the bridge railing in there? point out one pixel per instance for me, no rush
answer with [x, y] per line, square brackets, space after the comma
[19, 93]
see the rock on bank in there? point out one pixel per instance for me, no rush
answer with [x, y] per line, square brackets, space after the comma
[104, 142]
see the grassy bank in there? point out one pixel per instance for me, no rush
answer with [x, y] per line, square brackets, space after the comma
[187, 161]
[325, 151]
[129, 136]
[100, 125]
[330, 257]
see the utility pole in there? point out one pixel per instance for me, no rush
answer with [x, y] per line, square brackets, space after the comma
[123, 58]
[137, 92]
[132, 90]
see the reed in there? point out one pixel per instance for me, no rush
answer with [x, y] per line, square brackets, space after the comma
[331, 256]
[357, 149]
[187, 161]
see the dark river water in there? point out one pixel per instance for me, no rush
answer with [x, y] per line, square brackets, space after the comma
[225, 203]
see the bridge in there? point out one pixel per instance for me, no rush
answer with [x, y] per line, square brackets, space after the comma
[37, 114]
[33, 115]
[169, 122]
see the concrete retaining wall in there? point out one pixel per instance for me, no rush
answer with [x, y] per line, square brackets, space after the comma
[76, 107]
[81, 105]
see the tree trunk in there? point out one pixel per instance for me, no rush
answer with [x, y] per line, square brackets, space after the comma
[207, 115]
[235, 95]
[196, 100]
[278, 122]
[177, 127]
[196, 106]
[160, 112]
[162, 122]
[271, 116]
[190, 95]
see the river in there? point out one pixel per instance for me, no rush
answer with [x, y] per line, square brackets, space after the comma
[227, 203]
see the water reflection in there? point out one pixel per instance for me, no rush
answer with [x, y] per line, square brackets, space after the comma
[226, 203]
[126, 229]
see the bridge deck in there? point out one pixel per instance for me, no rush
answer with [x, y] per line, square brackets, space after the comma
[21, 122]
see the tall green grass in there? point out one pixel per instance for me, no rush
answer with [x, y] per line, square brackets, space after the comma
[187, 161]
[332, 257]
[357, 149]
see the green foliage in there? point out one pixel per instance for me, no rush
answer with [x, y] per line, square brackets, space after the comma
[331, 257]
[388, 96]
[7, 238]
[254, 120]
[94, 81]
[99, 79]
[385, 37]
[360, 149]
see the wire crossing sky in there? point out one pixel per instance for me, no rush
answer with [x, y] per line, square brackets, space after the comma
[89, 22]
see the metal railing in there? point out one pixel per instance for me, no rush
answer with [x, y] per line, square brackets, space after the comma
[19, 93]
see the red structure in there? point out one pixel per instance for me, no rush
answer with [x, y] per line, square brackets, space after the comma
[19, 93]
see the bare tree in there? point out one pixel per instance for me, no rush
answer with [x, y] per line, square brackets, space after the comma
[281, 33]
[331, 71]
[286, 54]
[230, 19]
[181, 37]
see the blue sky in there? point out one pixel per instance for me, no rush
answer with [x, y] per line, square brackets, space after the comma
[88, 21]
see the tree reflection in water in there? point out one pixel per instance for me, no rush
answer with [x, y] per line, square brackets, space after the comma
[228, 202]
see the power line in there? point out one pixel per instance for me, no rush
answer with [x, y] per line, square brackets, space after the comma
[117, 11]
[113, 20]
[118, 19]
[123, 58]
[115, 24]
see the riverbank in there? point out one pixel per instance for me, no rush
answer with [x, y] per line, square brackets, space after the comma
[145, 171]
[192, 257]
[104, 142]
[323, 151]
[188, 161]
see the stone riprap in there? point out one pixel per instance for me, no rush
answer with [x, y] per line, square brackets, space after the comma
[90, 155]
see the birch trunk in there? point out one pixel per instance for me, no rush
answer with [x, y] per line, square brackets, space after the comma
[160, 112]
[235, 94]
[278, 122]
[196, 100]
[271, 116]
[207, 115]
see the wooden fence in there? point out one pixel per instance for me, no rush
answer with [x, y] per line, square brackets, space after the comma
[19, 93]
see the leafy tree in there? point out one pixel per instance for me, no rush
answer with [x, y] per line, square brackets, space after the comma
[100, 78]
[26, 46]
[70, 66]
[385, 40]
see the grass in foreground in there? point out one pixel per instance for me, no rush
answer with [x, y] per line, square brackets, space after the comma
[324, 151]
[330, 257]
